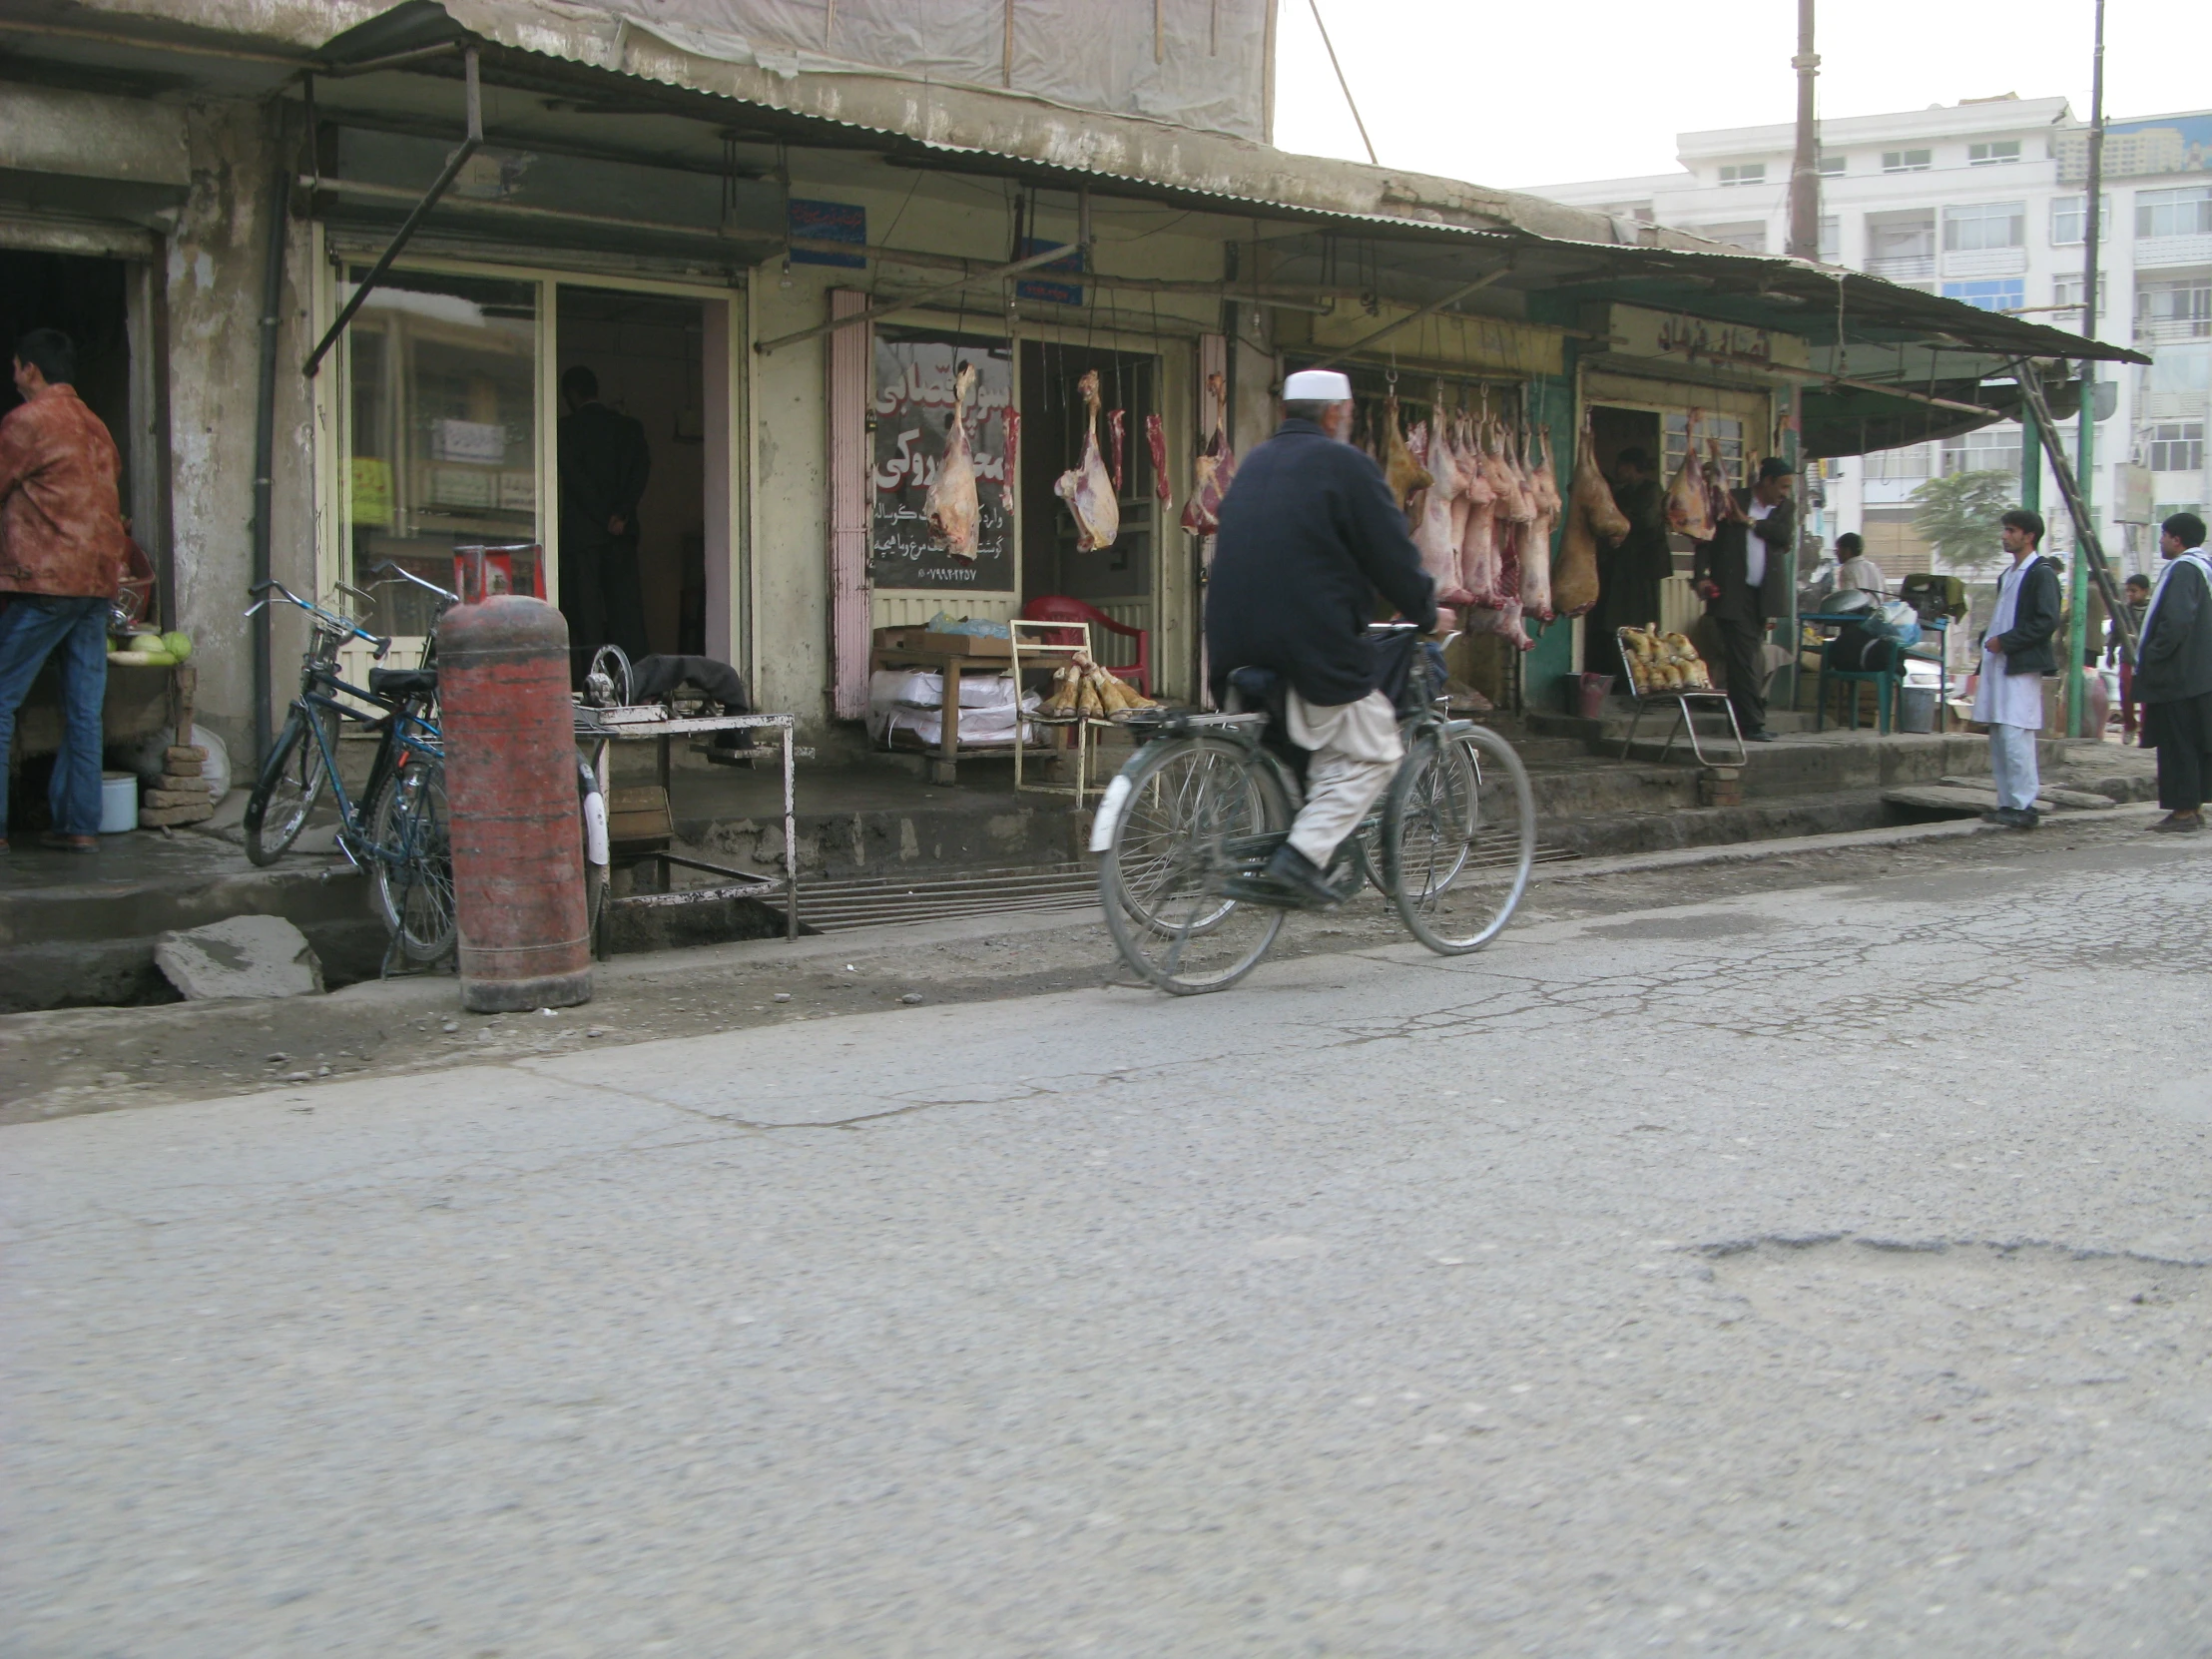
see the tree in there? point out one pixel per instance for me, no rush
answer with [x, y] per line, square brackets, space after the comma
[1959, 515]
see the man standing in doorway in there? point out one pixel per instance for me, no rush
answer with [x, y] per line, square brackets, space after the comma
[1629, 574]
[604, 464]
[61, 560]
[2016, 653]
[2173, 675]
[1743, 575]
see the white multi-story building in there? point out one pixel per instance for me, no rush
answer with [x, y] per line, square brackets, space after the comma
[1983, 200]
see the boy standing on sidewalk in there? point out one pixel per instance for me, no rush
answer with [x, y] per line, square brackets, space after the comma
[2016, 653]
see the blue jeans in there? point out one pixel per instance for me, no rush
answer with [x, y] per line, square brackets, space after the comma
[36, 626]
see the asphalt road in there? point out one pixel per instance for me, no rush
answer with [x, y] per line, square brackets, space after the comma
[1815, 1270]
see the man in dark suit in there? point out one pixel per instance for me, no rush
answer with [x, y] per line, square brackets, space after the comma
[2173, 675]
[1743, 575]
[604, 464]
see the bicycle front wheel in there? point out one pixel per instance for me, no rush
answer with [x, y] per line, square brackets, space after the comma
[1194, 809]
[411, 850]
[284, 794]
[1458, 837]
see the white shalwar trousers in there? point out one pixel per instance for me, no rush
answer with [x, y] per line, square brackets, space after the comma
[1356, 750]
[2013, 765]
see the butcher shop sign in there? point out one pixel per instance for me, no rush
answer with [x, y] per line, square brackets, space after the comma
[915, 530]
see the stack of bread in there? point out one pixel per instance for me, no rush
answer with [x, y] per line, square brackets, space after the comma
[1083, 689]
[1664, 662]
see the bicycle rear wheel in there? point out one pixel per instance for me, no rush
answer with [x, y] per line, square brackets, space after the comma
[411, 867]
[286, 794]
[1194, 809]
[1458, 837]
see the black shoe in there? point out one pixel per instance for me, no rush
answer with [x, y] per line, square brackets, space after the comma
[1291, 871]
[2028, 817]
[1760, 736]
[2001, 816]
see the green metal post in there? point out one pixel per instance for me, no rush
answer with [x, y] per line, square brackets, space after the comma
[2077, 590]
[2031, 461]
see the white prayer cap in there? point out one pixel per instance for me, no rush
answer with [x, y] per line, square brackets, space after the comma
[1317, 386]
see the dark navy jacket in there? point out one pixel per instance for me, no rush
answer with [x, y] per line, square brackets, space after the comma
[1309, 536]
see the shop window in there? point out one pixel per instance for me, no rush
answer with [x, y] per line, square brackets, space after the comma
[1985, 225]
[1118, 579]
[1730, 434]
[441, 442]
[1906, 161]
[1994, 154]
[2173, 213]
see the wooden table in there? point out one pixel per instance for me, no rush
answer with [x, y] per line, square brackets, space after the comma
[597, 735]
[945, 766]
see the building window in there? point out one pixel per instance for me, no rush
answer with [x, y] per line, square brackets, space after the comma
[1830, 166]
[1907, 465]
[1992, 450]
[1832, 237]
[2066, 290]
[2174, 311]
[1991, 293]
[1750, 235]
[1744, 172]
[1908, 160]
[2174, 446]
[2069, 219]
[1985, 224]
[2173, 213]
[1994, 154]
[1729, 434]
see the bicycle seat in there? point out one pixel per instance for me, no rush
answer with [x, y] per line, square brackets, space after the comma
[398, 683]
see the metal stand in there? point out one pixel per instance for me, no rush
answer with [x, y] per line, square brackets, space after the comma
[1082, 730]
[599, 727]
[1681, 698]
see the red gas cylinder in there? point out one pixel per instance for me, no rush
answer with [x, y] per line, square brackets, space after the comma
[511, 784]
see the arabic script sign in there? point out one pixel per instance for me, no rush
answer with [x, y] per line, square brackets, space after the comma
[912, 416]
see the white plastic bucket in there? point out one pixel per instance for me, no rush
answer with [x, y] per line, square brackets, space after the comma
[118, 801]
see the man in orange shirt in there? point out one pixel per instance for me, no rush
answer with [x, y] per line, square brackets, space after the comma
[61, 561]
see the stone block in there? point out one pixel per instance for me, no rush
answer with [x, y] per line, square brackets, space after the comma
[185, 758]
[166, 800]
[240, 956]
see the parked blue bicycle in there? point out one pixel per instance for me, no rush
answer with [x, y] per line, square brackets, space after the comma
[396, 828]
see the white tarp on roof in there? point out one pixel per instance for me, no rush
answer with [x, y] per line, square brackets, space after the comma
[1204, 68]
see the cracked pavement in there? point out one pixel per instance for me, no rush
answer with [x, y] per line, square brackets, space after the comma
[1800, 1265]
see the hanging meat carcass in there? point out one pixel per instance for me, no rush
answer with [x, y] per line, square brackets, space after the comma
[1401, 470]
[1117, 427]
[1478, 573]
[1214, 469]
[1504, 621]
[1156, 440]
[1689, 510]
[1085, 487]
[955, 515]
[1432, 537]
[1543, 500]
[1592, 520]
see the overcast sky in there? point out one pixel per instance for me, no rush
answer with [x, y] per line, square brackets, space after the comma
[1596, 89]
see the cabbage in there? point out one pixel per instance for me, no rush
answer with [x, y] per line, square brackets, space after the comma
[177, 644]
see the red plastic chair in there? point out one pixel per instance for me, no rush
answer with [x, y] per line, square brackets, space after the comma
[1058, 607]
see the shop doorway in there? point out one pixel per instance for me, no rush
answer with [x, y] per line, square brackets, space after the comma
[1119, 580]
[647, 352]
[1612, 430]
[87, 299]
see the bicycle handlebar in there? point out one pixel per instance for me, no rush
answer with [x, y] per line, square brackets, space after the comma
[400, 573]
[331, 622]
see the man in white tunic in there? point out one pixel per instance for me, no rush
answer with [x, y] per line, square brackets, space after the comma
[2016, 653]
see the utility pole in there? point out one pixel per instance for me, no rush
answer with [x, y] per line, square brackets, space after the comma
[1805, 168]
[2077, 632]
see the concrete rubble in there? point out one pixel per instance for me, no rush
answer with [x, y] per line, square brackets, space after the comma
[240, 958]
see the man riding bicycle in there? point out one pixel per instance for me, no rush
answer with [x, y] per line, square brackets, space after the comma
[1309, 536]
